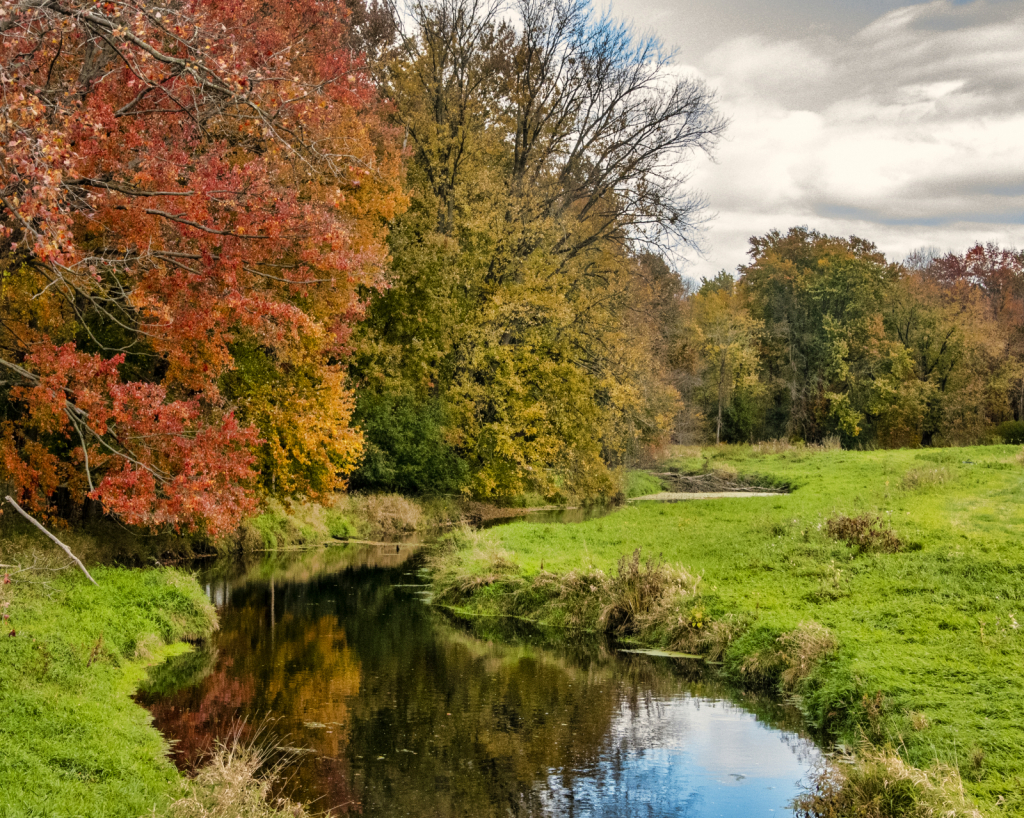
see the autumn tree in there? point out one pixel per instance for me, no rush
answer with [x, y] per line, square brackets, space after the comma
[820, 298]
[191, 196]
[720, 342]
[547, 145]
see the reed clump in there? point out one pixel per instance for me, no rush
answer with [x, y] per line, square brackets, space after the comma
[879, 784]
[237, 782]
[632, 593]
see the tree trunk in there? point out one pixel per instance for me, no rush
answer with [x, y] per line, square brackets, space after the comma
[721, 400]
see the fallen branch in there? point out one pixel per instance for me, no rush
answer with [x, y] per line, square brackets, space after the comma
[39, 525]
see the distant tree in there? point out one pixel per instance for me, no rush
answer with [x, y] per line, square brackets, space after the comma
[820, 299]
[726, 336]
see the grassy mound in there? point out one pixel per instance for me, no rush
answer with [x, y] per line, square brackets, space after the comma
[72, 742]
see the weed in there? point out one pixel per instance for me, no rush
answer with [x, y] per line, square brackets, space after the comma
[865, 533]
[919, 721]
[917, 479]
[881, 785]
[236, 783]
[632, 593]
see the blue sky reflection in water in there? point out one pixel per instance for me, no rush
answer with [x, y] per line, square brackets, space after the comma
[401, 711]
[687, 756]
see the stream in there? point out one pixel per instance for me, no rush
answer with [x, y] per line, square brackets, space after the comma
[387, 706]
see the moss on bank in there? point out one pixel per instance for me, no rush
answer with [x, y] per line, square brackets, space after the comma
[72, 742]
[914, 644]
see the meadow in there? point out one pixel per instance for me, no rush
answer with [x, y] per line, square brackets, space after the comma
[884, 594]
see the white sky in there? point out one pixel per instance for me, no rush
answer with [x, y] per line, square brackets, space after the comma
[902, 124]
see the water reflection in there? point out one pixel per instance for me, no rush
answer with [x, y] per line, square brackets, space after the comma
[405, 712]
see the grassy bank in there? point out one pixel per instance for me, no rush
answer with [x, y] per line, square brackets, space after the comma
[72, 742]
[885, 594]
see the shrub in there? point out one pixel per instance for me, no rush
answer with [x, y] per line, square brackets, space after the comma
[406, 446]
[633, 592]
[1011, 431]
[865, 533]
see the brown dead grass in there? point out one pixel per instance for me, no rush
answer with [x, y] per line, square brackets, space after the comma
[385, 514]
[865, 533]
[237, 783]
[881, 785]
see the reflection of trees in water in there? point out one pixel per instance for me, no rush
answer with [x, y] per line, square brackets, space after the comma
[300, 671]
[419, 716]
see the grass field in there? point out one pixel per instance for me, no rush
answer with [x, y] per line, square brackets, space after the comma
[912, 640]
[72, 742]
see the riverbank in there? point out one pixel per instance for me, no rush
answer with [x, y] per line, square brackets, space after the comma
[72, 742]
[884, 595]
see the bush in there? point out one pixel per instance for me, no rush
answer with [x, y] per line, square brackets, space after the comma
[406, 449]
[1011, 431]
[865, 533]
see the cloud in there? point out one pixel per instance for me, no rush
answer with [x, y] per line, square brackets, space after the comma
[906, 131]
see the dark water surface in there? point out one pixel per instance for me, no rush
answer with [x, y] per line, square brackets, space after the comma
[396, 709]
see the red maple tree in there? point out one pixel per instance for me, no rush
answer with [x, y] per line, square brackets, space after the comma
[175, 180]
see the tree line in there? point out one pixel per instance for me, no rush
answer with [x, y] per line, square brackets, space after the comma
[255, 249]
[819, 336]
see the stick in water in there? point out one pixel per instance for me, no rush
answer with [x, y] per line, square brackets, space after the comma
[39, 525]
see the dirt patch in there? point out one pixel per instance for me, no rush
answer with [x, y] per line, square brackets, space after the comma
[677, 496]
[721, 482]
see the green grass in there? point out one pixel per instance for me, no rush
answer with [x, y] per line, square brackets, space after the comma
[930, 656]
[639, 483]
[72, 742]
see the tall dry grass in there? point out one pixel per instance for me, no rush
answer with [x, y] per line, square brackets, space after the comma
[879, 784]
[237, 782]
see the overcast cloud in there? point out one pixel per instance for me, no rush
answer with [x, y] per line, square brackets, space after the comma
[903, 124]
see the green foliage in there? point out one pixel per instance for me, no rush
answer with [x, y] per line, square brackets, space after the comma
[406, 446]
[1011, 431]
[73, 742]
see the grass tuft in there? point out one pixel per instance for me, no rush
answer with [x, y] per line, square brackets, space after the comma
[237, 783]
[881, 785]
[632, 593]
[865, 533]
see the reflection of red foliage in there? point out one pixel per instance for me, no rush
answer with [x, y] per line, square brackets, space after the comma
[302, 673]
[197, 720]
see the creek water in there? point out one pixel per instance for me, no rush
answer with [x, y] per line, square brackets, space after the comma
[387, 706]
